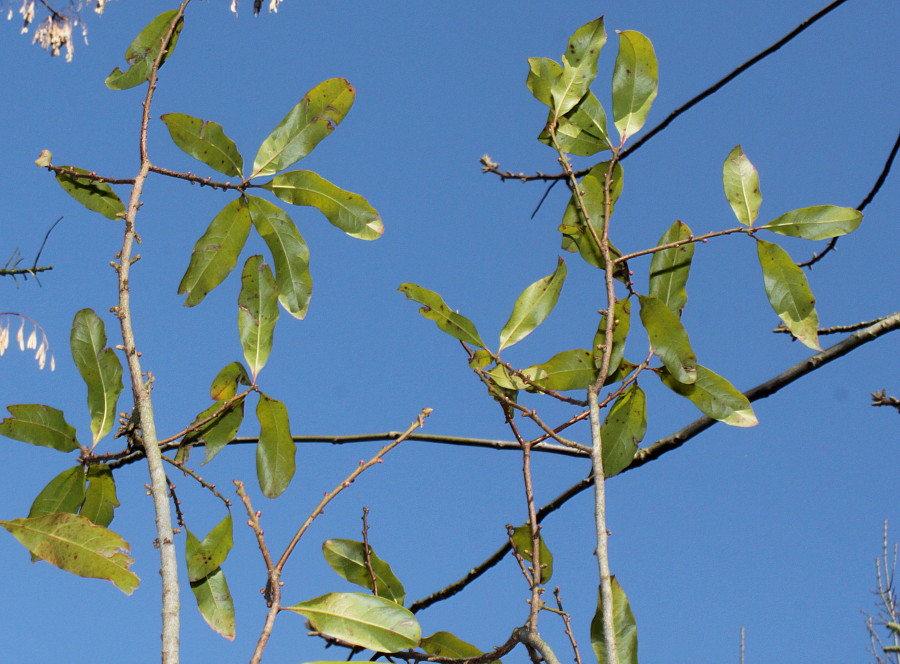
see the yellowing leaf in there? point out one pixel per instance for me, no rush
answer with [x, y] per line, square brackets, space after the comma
[817, 223]
[741, 182]
[363, 620]
[789, 293]
[434, 308]
[714, 396]
[71, 542]
[634, 85]
[533, 306]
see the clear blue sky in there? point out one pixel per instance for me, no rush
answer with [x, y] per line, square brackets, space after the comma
[774, 528]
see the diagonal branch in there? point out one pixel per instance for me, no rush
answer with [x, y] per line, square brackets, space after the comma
[676, 440]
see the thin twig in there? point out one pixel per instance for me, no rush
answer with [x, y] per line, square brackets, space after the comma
[882, 399]
[832, 243]
[273, 593]
[367, 552]
[202, 482]
[567, 621]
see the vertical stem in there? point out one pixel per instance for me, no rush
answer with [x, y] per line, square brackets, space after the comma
[168, 564]
[602, 241]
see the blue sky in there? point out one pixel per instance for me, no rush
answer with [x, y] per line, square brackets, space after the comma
[774, 528]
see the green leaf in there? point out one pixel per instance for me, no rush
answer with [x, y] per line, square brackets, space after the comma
[445, 644]
[99, 367]
[542, 74]
[216, 252]
[347, 558]
[524, 546]
[576, 235]
[363, 620]
[819, 222]
[714, 396]
[505, 380]
[215, 603]
[224, 385]
[39, 425]
[100, 498]
[568, 370]
[219, 431]
[143, 51]
[257, 313]
[454, 324]
[579, 66]
[622, 313]
[95, 196]
[289, 252]
[71, 542]
[533, 306]
[669, 338]
[205, 141]
[623, 429]
[741, 182]
[348, 211]
[634, 83]
[64, 493]
[204, 558]
[311, 120]
[789, 293]
[275, 451]
[581, 131]
[625, 628]
[669, 268]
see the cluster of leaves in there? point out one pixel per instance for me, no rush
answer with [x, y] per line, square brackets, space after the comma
[577, 125]
[67, 522]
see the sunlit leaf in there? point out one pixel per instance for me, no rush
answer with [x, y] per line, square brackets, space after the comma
[579, 66]
[434, 308]
[71, 542]
[257, 313]
[205, 141]
[819, 222]
[669, 338]
[348, 211]
[204, 558]
[623, 429]
[215, 603]
[502, 378]
[542, 74]
[582, 131]
[445, 644]
[363, 620]
[714, 396]
[95, 196]
[348, 559]
[224, 385]
[568, 370]
[39, 425]
[622, 313]
[216, 252]
[533, 306]
[99, 367]
[625, 629]
[143, 51]
[524, 545]
[100, 500]
[741, 182]
[634, 84]
[311, 120]
[289, 253]
[275, 452]
[789, 293]
[669, 268]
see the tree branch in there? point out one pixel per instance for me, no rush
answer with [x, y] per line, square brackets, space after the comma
[676, 440]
